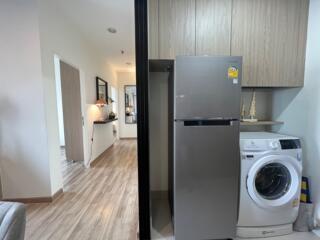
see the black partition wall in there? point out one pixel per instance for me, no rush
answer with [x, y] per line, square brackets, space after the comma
[141, 44]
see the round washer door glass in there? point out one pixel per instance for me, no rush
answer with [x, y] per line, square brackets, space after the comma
[273, 181]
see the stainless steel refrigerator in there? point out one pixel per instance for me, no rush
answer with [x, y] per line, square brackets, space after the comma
[206, 147]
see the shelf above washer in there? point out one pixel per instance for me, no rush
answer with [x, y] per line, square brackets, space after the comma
[261, 123]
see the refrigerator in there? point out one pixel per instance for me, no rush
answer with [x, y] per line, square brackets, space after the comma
[207, 93]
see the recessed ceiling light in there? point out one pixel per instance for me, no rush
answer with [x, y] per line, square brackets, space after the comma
[112, 30]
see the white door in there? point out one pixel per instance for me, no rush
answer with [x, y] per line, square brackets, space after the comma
[72, 115]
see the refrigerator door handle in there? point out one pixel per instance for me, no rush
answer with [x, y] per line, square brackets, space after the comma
[207, 122]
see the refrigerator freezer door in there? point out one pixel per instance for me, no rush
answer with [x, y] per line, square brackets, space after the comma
[206, 181]
[207, 87]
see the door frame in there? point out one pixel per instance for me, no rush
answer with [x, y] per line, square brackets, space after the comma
[142, 72]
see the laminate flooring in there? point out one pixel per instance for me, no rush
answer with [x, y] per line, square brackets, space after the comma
[162, 226]
[98, 203]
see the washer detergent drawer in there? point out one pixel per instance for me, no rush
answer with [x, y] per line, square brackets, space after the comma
[206, 179]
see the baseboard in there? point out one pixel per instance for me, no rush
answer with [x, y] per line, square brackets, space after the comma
[159, 195]
[57, 194]
[36, 199]
[128, 138]
[97, 159]
[29, 200]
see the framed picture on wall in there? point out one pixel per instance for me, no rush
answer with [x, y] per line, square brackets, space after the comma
[102, 89]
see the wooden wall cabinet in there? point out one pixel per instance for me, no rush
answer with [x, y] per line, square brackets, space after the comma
[153, 29]
[176, 28]
[271, 37]
[269, 34]
[213, 27]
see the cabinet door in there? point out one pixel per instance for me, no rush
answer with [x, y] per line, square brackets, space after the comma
[153, 29]
[213, 27]
[176, 28]
[271, 37]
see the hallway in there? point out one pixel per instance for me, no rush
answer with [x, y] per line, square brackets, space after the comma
[97, 203]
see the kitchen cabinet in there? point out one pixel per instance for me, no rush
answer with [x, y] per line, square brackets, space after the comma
[269, 34]
[271, 37]
[153, 29]
[213, 27]
[176, 28]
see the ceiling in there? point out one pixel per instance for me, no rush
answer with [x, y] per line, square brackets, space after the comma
[94, 17]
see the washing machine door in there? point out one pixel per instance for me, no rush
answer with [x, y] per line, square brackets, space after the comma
[274, 181]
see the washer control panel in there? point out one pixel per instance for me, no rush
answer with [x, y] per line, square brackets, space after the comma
[254, 145]
[259, 145]
[287, 144]
[274, 145]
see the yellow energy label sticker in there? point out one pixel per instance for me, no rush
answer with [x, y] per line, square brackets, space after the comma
[233, 72]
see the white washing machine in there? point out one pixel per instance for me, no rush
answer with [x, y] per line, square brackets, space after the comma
[271, 171]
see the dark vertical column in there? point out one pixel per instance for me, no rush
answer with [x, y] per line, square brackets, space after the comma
[141, 38]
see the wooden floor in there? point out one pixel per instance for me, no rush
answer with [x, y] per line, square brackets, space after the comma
[98, 203]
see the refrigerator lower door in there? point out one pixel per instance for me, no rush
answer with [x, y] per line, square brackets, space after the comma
[206, 179]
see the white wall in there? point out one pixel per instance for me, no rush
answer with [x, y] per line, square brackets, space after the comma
[59, 36]
[126, 130]
[300, 108]
[24, 161]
